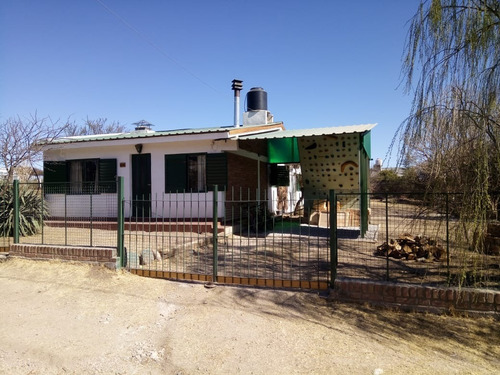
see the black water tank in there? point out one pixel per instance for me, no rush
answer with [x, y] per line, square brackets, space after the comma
[256, 99]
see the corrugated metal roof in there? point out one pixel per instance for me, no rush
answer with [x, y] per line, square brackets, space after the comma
[230, 130]
[298, 133]
[140, 134]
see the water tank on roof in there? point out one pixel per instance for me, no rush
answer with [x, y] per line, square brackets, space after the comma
[256, 99]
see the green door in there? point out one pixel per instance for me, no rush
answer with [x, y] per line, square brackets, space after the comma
[141, 186]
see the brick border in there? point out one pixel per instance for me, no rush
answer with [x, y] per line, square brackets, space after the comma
[418, 297]
[105, 256]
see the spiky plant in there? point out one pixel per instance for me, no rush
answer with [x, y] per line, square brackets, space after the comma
[31, 210]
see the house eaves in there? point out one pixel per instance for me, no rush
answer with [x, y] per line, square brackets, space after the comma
[224, 132]
[298, 133]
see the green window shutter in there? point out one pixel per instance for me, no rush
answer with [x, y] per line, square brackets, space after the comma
[279, 175]
[175, 173]
[107, 176]
[55, 177]
[216, 171]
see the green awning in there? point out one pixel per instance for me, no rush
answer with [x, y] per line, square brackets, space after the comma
[283, 150]
[366, 140]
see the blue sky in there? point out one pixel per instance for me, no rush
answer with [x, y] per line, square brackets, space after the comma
[322, 62]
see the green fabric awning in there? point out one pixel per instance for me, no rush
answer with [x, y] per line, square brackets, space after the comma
[283, 150]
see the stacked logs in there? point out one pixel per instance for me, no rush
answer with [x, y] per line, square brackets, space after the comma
[412, 248]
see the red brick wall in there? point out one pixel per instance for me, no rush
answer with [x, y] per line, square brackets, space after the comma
[97, 255]
[416, 297]
[243, 174]
[256, 146]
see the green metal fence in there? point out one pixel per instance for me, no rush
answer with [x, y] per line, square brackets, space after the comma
[415, 238]
[239, 236]
[241, 241]
[57, 214]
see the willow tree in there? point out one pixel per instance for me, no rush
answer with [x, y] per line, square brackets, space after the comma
[452, 67]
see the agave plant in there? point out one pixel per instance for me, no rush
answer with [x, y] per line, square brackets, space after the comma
[31, 210]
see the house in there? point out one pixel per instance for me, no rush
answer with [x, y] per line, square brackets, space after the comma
[170, 164]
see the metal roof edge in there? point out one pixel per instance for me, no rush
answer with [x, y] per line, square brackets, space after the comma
[297, 133]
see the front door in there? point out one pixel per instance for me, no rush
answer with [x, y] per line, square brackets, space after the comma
[141, 186]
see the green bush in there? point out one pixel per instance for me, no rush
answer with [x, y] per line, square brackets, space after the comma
[31, 210]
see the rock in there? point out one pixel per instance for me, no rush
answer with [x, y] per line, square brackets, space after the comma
[148, 256]
[133, 260]
[3, 258]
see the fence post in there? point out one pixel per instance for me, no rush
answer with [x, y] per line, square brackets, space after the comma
[120, 224]
[215, 233]
[16, 211]
[333, 237]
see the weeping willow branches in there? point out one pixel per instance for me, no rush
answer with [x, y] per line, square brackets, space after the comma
[452, 67]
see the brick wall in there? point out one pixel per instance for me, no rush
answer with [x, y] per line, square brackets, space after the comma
[243, 173]
[416, 297]
[95, 255]
[255, 145]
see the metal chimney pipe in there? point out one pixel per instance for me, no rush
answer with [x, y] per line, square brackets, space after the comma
[237, 86]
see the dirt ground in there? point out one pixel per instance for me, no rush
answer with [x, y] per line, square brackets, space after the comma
[63, 318]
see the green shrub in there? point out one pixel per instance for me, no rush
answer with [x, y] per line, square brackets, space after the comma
[31, 210]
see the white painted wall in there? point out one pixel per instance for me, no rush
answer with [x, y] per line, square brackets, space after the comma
[75, 206]
[122, 151]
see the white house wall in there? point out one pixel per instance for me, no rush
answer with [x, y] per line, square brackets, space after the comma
[122, 151]
[75, 206]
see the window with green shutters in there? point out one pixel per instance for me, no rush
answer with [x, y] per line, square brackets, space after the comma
[195, 172]
[55, 177]
[280, 176]
[107, 175]
[83, 176]
[217, 171]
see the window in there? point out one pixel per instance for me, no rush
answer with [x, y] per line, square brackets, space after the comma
[195, 172]
[85, 176]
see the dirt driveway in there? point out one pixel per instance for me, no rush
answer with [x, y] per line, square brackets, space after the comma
[61, 318]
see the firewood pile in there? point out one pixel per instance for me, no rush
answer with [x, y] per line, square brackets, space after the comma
[410, 247]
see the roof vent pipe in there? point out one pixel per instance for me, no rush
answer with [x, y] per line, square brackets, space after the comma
[237, 86]
[142, 125]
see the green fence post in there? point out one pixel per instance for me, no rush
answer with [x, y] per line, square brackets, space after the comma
[120, 223]
[333, 238]
[16, 211]
[215, 233]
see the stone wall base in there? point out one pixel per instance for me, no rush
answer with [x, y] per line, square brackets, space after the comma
[105, 256]
[418, 298]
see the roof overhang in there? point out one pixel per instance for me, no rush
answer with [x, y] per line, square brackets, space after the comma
[178, 135]
[298, 133]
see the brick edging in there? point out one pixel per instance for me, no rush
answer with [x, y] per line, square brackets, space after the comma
[418, 297]
[96, 255]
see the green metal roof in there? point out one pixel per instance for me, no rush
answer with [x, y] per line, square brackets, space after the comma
[297, 133]
[140, 134]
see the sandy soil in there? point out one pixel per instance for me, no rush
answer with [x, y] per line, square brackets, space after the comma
[62, 318]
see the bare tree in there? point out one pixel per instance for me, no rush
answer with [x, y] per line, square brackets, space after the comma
[91, 127]
[21, 141]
